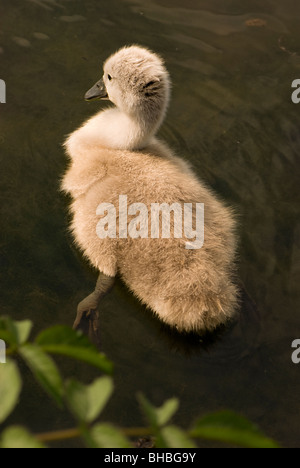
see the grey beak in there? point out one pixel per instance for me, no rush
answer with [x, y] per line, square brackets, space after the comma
[98, 91]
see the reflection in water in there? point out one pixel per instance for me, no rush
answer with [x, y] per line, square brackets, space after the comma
[234, 341]
[232, 117]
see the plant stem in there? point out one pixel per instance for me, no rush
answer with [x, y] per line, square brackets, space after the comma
[59, 435]
[137, 431]
[76, 432]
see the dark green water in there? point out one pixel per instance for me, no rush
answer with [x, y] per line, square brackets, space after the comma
[232, 116]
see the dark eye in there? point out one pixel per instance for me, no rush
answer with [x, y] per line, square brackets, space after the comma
[109, 77]
[147, 85]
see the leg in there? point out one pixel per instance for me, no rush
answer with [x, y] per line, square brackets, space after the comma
[87, 310]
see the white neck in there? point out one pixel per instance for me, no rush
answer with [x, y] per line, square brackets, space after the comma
[112, 128]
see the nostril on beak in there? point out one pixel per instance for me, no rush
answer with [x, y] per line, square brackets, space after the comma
[98, 91]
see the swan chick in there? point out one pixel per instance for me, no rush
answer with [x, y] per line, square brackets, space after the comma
[117, 153]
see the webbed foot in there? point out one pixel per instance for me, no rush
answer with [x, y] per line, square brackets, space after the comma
[87, 318]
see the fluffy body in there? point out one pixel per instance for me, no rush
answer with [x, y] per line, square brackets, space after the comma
[116, 153]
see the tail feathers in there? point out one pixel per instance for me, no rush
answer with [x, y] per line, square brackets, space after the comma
[198, 313]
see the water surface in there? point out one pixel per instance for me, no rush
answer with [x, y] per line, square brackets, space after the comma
[232, 64]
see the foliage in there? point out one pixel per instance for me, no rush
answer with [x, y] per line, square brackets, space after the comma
[86, 402]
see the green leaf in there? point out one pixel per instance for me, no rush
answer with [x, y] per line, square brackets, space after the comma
[14, 333]
[61, 334]
[226, 426]
[18, 437]
[7, 331]
[158, 417]
[23, 330]
[148, 410]
[63, 340]
[8, 337]
[166, 411]
[87, 401]
[95, 359]
[10, 388]
[174, 437]
[107, 436]
[44, 370]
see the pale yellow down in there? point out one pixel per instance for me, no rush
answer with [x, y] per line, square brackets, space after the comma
[116, 153]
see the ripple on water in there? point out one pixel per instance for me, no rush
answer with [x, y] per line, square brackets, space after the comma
[192, 41]
[222, 25]
[72, 19]
[41, 36]
[45, 4]
[21, 41]
[242, 337]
